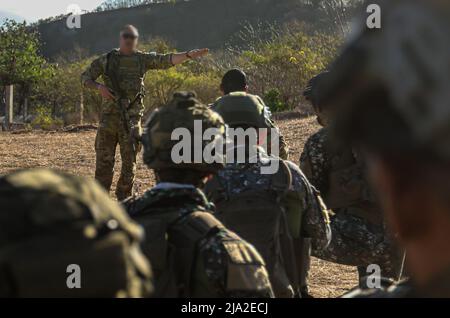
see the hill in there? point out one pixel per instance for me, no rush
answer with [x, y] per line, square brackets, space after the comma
[186, 24]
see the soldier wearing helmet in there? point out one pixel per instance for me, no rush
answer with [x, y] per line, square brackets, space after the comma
[399, 114]
[62, 236]
[194, 254]
[238, 108]
[338, 171]
[277, 211]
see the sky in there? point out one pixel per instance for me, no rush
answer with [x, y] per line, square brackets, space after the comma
[33, 10]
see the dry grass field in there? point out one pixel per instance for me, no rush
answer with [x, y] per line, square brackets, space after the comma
[74, 153]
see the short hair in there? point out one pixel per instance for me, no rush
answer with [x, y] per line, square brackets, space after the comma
[234, 80]
[129, 29]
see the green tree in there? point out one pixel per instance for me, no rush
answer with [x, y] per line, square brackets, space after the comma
[20, 61]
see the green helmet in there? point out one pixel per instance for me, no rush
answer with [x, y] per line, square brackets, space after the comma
[182, 112]
[50, 222]
[390, 88]
[240, 109]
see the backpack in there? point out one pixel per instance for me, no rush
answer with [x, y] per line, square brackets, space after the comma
[53, 225]
[259, 216]
[172, 246]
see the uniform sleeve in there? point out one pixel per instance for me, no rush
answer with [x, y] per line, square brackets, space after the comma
[95, 70]
[231, 268]
[315, 216]
[155, 61]
[283, 146]
[314, 161]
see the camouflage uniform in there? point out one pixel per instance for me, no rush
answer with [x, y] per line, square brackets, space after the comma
[253, 109]
[50, 220]
[131, 73]
[359, 233]
[307, 218]
[194, 254]
[220, 265]
[397, 112]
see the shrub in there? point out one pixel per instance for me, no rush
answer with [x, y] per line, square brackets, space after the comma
[43, 119]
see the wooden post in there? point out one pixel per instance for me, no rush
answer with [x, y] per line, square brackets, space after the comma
[9, 106]
[25, 109]
[81, 108]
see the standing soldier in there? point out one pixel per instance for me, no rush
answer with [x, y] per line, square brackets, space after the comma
[239, 108]
[338, 171]
[123, 71]
[398, 113]
[193, 254]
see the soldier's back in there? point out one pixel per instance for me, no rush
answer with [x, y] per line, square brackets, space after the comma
[271, 211]
[51, 224]
[195, 255]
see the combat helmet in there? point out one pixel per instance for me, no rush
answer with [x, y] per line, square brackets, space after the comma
[390, 88]
[185, 113]
[53, 225]
[240, 109]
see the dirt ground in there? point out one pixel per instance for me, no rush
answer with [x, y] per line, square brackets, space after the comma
[74, 153]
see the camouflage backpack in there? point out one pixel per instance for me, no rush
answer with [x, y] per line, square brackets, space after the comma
[52, 224]
[259, 215]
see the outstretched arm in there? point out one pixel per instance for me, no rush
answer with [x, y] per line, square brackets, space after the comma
[178, 58]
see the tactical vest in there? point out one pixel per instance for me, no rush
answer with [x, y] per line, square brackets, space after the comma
[240, 109]
[263, 217]
[126, 80]
[172, 241]
[348, 188]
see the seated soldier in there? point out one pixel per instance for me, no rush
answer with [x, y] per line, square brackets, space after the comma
[398, 113]
[194, 255]
[269, 202]
[237, 107]
[62, 236]
[338, 171]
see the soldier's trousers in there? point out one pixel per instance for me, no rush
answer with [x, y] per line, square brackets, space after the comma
[111, 132]
[357, 242]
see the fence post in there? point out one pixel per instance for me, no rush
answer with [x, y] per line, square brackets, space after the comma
[9, 106]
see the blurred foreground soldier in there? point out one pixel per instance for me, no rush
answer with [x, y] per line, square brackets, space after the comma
[54, 226]
[123, 71]
[398, 112]
[194, 255]
[338, 171]
[240, 109]
[277, 211]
